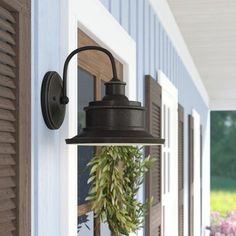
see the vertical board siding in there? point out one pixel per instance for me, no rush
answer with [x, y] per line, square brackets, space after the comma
[172, 53]
[155, 51]
[157, 42]
[168, 61]
[140, 51]
[161, 48]
[124, 14]
[46, 153]
[175, 67]
[146, 36]
[139, 20]
[152, 42]
[115, 9]
[133, 18]
[164, 52]
[106, 3]
[154, 48]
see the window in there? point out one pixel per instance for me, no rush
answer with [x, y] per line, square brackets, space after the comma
[86, 83]
[93, 71]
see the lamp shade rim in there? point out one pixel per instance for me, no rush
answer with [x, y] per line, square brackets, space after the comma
[116, 138]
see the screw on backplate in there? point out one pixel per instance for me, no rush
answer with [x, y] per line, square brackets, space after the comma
[64, 100]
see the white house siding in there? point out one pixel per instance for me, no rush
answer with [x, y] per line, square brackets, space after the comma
[154, 52]
[49, 48]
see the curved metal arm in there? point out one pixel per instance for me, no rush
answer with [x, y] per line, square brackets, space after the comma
[64, 99]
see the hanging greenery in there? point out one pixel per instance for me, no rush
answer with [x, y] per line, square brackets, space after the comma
[116, 175]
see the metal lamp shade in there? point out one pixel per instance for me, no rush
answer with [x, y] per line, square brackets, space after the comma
[114, 121]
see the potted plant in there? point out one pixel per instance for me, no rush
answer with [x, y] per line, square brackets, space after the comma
[116, 175]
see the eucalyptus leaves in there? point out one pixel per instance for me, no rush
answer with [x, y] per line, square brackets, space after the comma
[116, 175]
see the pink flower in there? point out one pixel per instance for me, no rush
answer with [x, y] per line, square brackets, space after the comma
[215, 214]
[223, 226]
[231, 215]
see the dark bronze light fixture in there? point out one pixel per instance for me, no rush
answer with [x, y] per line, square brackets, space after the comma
[112, 121]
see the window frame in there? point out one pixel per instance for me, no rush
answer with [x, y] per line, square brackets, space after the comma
[88, 16]
[169, 199]
[101, 72]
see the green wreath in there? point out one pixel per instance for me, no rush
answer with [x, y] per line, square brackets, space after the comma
[115, 176]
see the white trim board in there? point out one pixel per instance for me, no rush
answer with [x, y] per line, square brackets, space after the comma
[166, 17]
[167, 85]
[93, 18]
[169, 156]
[97, 22]
[196, 171]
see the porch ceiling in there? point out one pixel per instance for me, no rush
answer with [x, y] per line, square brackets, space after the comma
[209, 30]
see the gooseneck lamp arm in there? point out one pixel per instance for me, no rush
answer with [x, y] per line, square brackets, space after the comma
[54, 89]
[64, 98]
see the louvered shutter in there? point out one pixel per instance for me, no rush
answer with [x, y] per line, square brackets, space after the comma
[14, 119]
[7, 124]
[181, 169]
[191, 174]
[153, 179]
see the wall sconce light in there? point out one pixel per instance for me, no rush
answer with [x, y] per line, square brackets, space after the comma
[112, 121]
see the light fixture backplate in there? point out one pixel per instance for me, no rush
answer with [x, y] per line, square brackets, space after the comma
[52, 108]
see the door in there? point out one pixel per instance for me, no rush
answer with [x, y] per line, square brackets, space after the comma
[15, 118]
[169, 157]
[153, 178]
[94, 70]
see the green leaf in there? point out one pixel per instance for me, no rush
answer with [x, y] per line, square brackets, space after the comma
[91, 179]
[114, 188]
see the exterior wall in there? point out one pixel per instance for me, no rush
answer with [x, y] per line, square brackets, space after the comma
[46, 144]
[154, 52]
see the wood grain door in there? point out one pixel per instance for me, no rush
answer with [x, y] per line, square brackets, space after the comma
[94, 69]
[153, 178]
[15, 118]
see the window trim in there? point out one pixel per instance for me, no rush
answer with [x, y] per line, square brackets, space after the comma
[196, 171]
[87, 15]
[170, 96]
